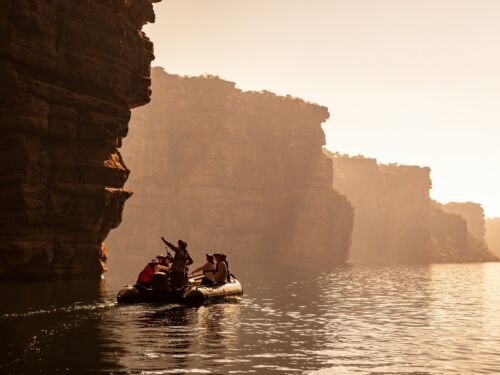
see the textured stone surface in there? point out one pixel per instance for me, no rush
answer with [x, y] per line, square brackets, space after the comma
[395, 219]
[70, 72]
[224, 169]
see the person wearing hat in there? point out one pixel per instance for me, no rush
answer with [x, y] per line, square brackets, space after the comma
[145, 277]
[208, 271]
[182, 259]
[221, 270]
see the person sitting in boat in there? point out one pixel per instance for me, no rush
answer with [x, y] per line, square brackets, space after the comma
[221, 275]
[165, 261]
[182, 259]
[168, 261]
[208, 271]
[145, 278]
[228, 273]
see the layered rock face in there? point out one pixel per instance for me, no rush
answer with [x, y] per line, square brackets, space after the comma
[395, 219]
[223, 169]
[493, 235]
[70, 72]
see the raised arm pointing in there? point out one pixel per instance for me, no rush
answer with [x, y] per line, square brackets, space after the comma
[170, 245]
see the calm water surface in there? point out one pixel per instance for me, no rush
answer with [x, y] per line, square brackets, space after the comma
[440, 319]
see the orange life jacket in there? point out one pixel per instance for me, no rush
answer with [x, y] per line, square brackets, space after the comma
[146, 275]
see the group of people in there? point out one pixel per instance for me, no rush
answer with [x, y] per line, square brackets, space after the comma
[177, 267]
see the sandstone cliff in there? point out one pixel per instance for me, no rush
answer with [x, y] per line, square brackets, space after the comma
[225, 169]
[493, 235]
[70, 72]
[395, 219]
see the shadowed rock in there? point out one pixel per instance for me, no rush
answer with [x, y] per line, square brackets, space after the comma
[230, 170]
[70, 72]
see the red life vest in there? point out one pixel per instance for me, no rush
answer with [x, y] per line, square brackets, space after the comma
[146, 274]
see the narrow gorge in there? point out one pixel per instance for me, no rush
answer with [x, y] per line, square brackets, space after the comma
[224, 169]
[70, 72]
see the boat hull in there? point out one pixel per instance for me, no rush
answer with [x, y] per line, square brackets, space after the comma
[211, 293]
[191, 295]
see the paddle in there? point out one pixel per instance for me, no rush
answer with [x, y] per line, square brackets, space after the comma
[196, 276]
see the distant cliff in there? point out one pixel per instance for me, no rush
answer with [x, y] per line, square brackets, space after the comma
[225, 169]
[391, 205]
[473, 214]
[69, 72]
[453, 240]
[395, 219]
[493, 235]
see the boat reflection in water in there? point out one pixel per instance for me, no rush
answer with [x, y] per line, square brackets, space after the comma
[361, 320]
[181, 338]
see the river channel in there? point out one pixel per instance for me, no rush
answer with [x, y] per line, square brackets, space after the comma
[437, 319]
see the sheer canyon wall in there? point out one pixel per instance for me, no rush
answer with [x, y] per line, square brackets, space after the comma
[223, 169]
[70, 72]
[395, 219]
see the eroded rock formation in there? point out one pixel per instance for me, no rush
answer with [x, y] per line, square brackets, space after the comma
[225, 169]
[70, 72]
[395, 219]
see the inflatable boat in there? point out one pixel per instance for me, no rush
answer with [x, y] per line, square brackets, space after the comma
[192, 294]
[200, 294]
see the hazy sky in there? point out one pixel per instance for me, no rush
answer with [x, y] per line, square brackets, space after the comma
[408, 81]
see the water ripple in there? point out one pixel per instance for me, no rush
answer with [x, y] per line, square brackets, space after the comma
[441, 319]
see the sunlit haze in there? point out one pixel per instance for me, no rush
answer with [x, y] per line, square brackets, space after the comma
[413, 82]
[208, 229]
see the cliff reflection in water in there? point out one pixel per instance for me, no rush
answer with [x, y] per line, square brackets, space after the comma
[423, 319]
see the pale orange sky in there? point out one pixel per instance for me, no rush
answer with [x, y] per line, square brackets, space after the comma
[408, 81]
